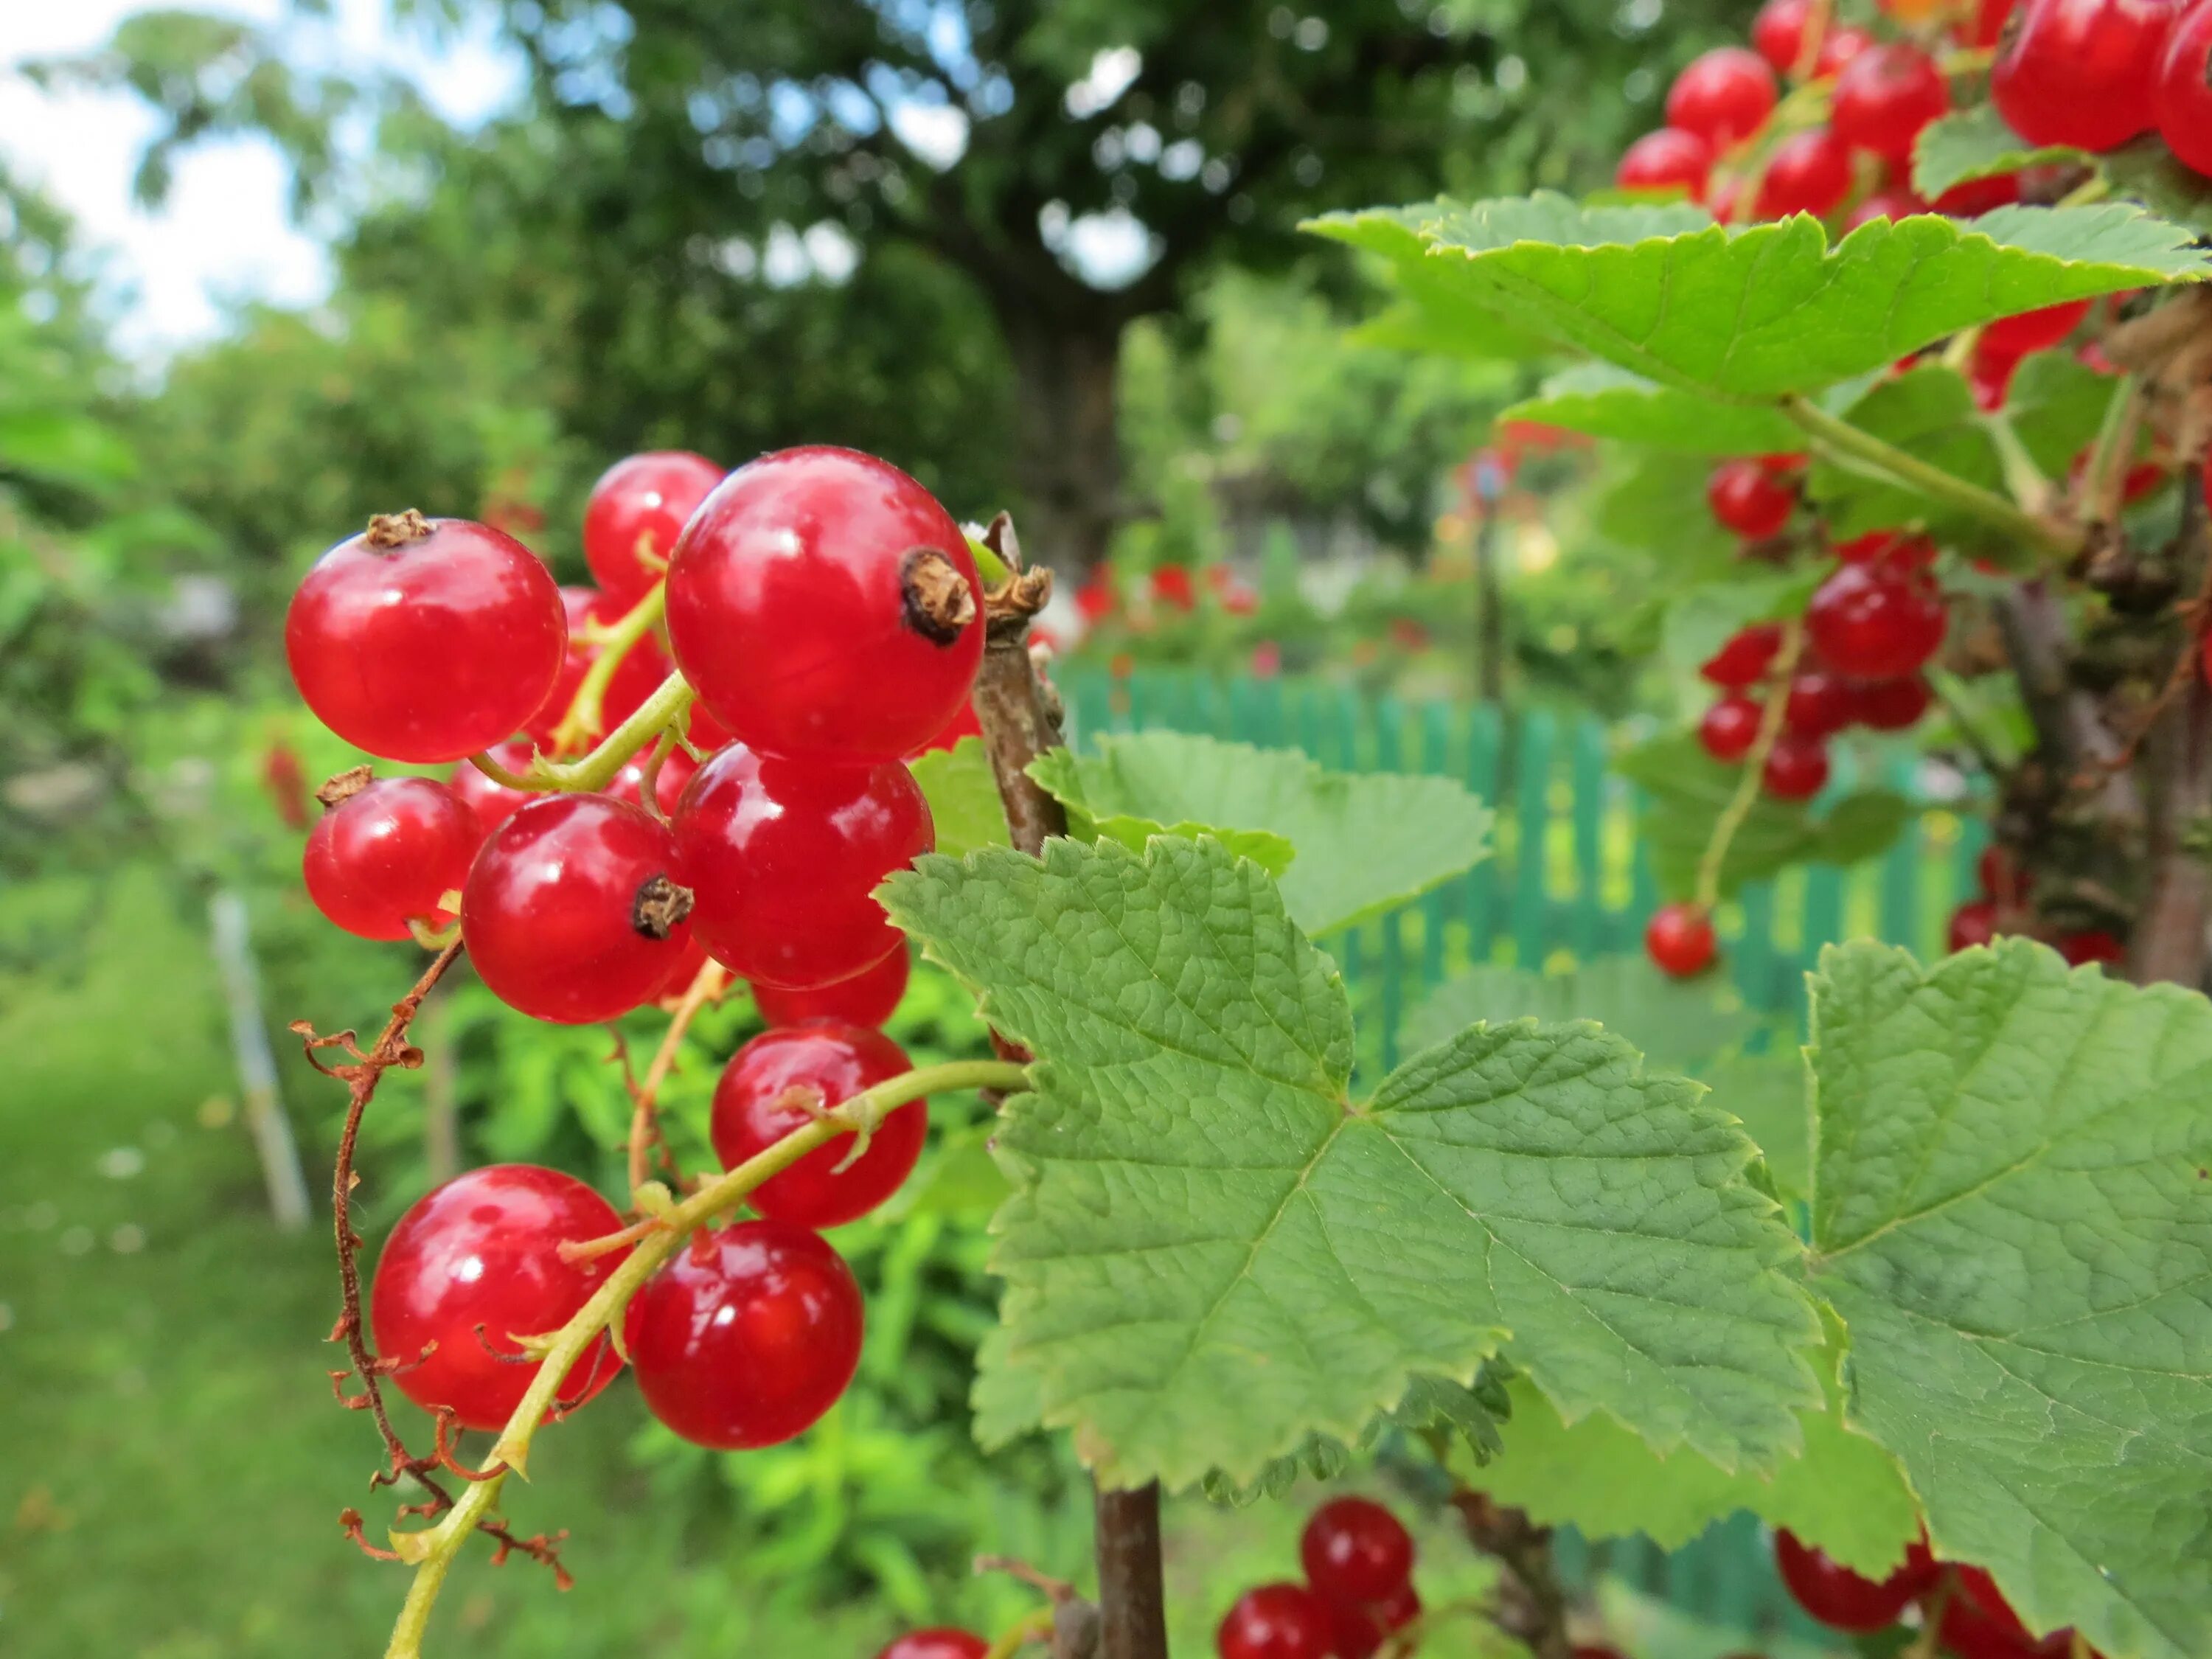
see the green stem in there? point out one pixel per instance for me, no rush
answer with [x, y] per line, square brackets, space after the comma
[432, 1550]
[616, 751]
[2104, 481]
[1732, 815]
[1036, 1627]
[587, 709]
[1933, 482]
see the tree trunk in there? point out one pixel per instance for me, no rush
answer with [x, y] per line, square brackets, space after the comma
[1067, 455]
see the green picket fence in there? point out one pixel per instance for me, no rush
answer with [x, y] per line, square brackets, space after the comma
[1567, 881]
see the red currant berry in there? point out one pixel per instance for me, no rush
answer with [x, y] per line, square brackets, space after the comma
[1171, 588]
[636, 677]
[2033, 330]
[385, 854]
[1722, 97]
[868, 998]
[492, 801]
[1750, 499]
[1744, 660]
[1986, 27]
[1889, 547]
[1885, 97]
[1680, 938]
[635, 514]
[1890, 204]
[1778, 33]
[676, 769]
[746, 1336]
[2092, 944]
[1589, 1651]
[1895, 705]
[1838, 47]
[1667, 160]
[1973, 923]
[1874, 621]
[1400, 1609]
[1979, 196]
[2080, 72]
[1809, 172]
[482, 1250]
[964, 724]
[1729, 728]
[1355, 1632]
[2000, 875]
[1820, 706]
[1276, 1621]
[571, 913]
[425, 640]
[784, 857]
[936, 1644]
[1796, 769]
[1355, 1550]
[823, 604]
[1837, 1596]
[2182, 98]
[825, 1065]
[685, 969]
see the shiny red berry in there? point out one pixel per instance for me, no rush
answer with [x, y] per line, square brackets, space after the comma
[1886, 97]
[1744, 659]
[1895, 705]
[1889, 547]
[2092, 945]
[635, 513]
[1979, 196]
[1874, 621]
[822, 605]
[1890, 204]
[1276, 1621]
[384, 855]
[1729, 728]
[2082, 72]
[747, 1336]
[571, 913]
[1839, 47]
[636, 677]
[2182, 98]
[1680, 938]
[492, 801]
[964, 724]
[1974, 922]
[1809, 172]
[778, 1082]
[1986, 27]
[425, 640]
[868, 998]
[1754, 501]
[1355, 1550]
[936, 1644]
[1778, 32]
[784, 856]
[1722, 97]
[1820, 706]
[2033, 330]
[482, 1250]
[1837, 1596]
[1796, 768]
[1667, 160]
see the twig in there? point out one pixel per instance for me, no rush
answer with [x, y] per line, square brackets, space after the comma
[1531, 1606]
[1770, 718]
[2170, 938]
[707, 986]
[587, 709]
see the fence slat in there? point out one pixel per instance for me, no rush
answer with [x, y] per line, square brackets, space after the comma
[1532, 780]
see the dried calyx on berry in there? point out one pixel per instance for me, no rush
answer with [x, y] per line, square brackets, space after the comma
[937, 601]
[391, 530]
[660, 905]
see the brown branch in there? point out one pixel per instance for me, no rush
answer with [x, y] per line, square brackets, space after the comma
[1531, 1606]
[2169, 941]
[2069, 728]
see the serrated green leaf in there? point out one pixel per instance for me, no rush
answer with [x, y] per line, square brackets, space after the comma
[1976, 144]
[1930, 412]
[2012, 1213]
[1656, 502]
[1364, 841]
[1006, 1401]
[1608, 401]
[2149, 171]
[1433, 314]
[1436, 1405]
[1860, 827]
[1210, 1252]
[1271, 852]
[1678, 1026]
[962, 796]
[2056, 404]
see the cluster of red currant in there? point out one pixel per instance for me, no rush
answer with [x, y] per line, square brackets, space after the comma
[1359, 1591]
[2004, 909]
[1971, 1618]
[826, 613]
[2089, 74]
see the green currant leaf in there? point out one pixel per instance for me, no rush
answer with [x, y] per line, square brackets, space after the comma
[2149, 171]
[1611, 402]
[962, 796]
[1679, 1025]
[1976, 144]
[1432, 314]
[1364, 841]
[2013, 1214]
[1654, 503]
[1213, 1252]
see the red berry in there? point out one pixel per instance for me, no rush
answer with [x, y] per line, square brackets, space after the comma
[636, 677]
[1722, 97]
[936, 1644]
[1400, 1609]
[2033, 330]
[492, 801]
[1809, 172]
[1729, 728]
[1874, 621]
[1669, 159]
[1889, 547]
[2092, 944]
[821, 604]
[425, 647]
[1588, 1651]
[1973, 923]
[1355, 1550]
[676, 769]
[385, 855]
[1355, 1631]
[635, 514]
[1820, 706]
[1890, 204]
[1838, 46]
[964, 724]
[1979, 196]
[1885, 97]
[1276, 1621]
[1991, 375]
[2182, 97]
[832, 1062]
[1171, 588]
[2082, 72]
[869, 998]
[1986, 27]
[684, 970]
[2000, 875]
[1680, 938]
[783, 858]
[1778, 33]
[1796, 768]
[571, 913]
[484, 1250]
[1891, 705]
[1746, 658]
[746, 1336]
[1838, 1597]
[1750, 499]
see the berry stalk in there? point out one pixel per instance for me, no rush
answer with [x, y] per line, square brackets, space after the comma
[587, 709]
[596, 770]
[1771, 715]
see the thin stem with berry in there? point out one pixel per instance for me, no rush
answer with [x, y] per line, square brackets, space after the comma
[587, 709]
[1770, 717]
[596, 770]
[705, 986]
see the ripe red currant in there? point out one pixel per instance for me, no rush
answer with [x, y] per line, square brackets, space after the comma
[936, 1644]
[482, 1250]
[2092, 944]
[746, 1336]
[869, 998]
[1842, 1599]
[425, 640]
[825, 1065]
[1722, 97]
[1842, 44]
[1885, 97]
[2080, 72]
[492, 801]
[823, 604]
[1979, 1623]
[2001, 876]
[1276, 1621]
[1667, 160]
[1744, 659]
[635, 514]
[784, 857]
[1810, 171]
[571, 913]
[2033, 330]
[1752, 500]
[1890, 547]
[1974, 922]
[1680, 938]
[1355, 1550]
[1986, 27]
[1891, 705]
[1778, 33]
[964, 724]
[1890, 204]
[1976, 197]
[1729, 728]
[2182, 98]
[1820, 706]
[385, 854]
[1876, 622]
[1796, 768]
[636, 677]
